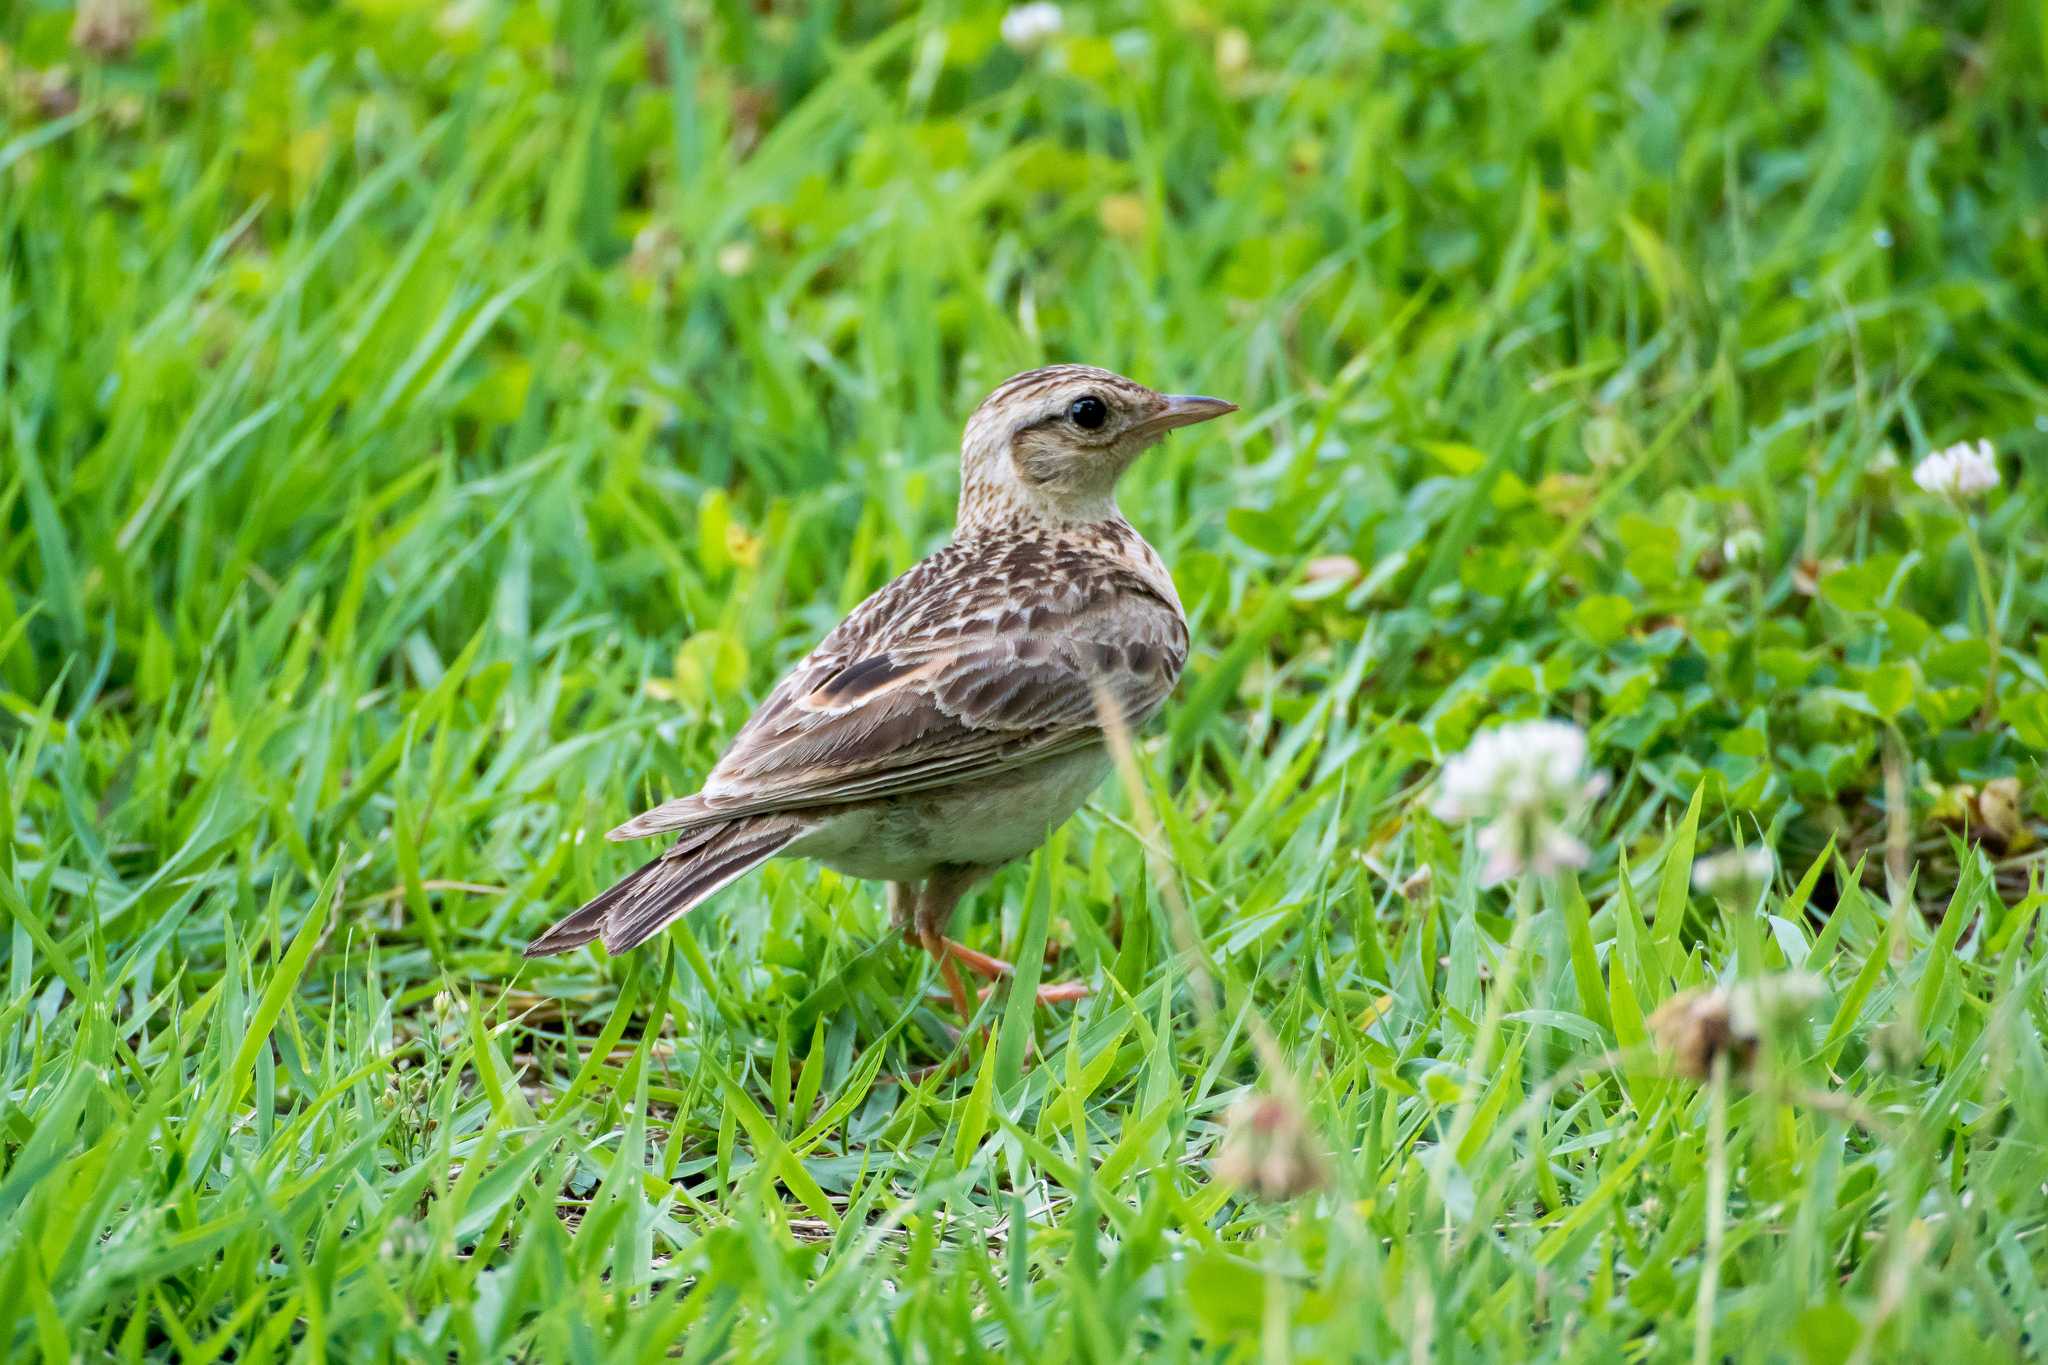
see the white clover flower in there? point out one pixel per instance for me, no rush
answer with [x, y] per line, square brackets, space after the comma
[1738, 873]
[1743, 545]
[1961, 472]
[1519, 764]
[1534, 845]
[1775, 1001]
[1526, 780]
[1027, 28]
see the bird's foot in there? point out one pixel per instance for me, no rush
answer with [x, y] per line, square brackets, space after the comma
[947, 951]
[1055, 992]
[995, 969]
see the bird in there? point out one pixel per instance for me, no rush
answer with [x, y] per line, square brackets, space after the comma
[954, 718]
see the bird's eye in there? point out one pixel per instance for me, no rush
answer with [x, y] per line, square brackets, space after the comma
[1088, 412]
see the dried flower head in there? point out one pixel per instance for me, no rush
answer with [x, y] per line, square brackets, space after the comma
[1961, 472]
[1527, 781]
[1027, 28]
[109, 29]
[1268, 1149]
[1998, 809]
[49, 94]
[1734, 875]
[1695, 1027]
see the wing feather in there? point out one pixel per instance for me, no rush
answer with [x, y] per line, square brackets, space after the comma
[953, 673]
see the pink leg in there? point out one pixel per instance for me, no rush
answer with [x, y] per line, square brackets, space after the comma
[935, 911]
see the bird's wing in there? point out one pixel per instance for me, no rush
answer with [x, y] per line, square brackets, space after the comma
[952, 673]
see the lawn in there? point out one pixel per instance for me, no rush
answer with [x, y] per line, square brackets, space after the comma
[427, 429]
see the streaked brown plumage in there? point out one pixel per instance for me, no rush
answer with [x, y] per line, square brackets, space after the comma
[947, 725]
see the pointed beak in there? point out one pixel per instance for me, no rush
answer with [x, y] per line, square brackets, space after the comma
[1184, 410]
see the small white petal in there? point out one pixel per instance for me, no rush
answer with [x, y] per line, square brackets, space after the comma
[1963, 470]
[1556, 851]
[1733, 871]
[1502, 859]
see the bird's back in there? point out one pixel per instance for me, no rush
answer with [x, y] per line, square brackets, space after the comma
[984, 655]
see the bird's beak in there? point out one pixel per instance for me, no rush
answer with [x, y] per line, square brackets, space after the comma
[1184, 410]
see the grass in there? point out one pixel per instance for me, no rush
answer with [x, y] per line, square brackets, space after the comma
[424, 432]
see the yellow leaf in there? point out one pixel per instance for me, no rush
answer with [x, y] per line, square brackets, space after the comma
[1455, 456]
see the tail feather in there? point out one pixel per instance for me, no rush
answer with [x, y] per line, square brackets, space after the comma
[647, 900]
[584, 926]
[683, 813]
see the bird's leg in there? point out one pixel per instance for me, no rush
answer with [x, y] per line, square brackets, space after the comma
[935, 908]
[933, 912]
[903, 899]
[903, 909]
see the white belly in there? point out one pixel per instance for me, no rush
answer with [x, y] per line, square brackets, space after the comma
[985, 824]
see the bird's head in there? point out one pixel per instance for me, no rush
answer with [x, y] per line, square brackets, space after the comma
[1049, 445]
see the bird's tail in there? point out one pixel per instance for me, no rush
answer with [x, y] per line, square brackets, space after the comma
[643, 903]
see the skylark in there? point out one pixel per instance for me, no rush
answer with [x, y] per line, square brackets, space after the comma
[950, 723]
